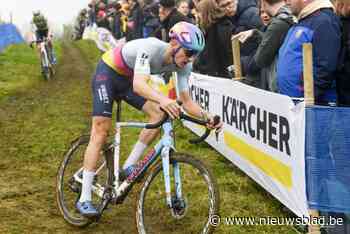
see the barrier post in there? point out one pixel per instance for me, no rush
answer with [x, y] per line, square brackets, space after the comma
[308, 75]
[309, 101]
[237, 59]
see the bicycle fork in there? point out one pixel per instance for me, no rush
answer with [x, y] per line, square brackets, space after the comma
[168, 145]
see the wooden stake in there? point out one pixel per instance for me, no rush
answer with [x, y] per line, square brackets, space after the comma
[309, 101]
[237, 59]
[314, 229]
[308, 75]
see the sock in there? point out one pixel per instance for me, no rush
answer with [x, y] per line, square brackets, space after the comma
[88, 177]
[135, 154]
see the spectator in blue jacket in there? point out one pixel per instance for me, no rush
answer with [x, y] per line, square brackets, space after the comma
[319, 25]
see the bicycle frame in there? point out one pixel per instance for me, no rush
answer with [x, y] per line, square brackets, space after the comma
[43, 51]
[163, 148]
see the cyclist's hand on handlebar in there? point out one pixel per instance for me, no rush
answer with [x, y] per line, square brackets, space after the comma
[214, 124]
[171, 107]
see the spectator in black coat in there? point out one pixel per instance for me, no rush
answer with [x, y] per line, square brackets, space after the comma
[217, 26]
[151, 20]
[246, 18]
[169, 16]
[343, 73]
[135, 21]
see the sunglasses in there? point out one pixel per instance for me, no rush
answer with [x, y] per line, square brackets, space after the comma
[190, 53]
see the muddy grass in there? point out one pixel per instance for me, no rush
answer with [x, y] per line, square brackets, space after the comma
[36, 128]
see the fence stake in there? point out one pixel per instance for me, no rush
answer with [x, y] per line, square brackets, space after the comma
[309, 101]
[308, 75]
[237, 59]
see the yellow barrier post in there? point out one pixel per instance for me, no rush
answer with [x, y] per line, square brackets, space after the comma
[237, 59]
[309, 101]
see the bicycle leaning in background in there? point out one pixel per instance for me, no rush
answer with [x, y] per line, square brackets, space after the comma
[184, 197]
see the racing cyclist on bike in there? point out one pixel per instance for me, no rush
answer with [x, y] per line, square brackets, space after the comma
[40, 31]
[123, 73]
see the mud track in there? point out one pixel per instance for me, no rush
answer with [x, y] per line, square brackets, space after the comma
[36, 128]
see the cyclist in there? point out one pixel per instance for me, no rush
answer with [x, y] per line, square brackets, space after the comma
[123, 74]
[41, 30]
[80, 24]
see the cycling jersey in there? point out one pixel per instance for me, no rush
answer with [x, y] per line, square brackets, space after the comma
[40, 22]
[145, 57]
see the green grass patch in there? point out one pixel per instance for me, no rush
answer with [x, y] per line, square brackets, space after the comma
[89, 50]
[20, 68]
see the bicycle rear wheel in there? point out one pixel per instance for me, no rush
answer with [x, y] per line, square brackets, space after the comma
[200, 199]
[68, 189]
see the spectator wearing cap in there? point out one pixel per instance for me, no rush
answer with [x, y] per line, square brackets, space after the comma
[343, 74]
[319, 25]
[217, 26]
[260, 67]
[169, 16]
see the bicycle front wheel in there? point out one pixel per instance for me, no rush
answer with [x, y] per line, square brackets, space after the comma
[199, 202]
[45, 70]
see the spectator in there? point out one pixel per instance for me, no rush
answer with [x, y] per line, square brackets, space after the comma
[184, 8]
[247, 18]
[169, 16]
[265, 18]
[195, 15]
[216, 23]
[319, 25]
[102, 18]
[116, 24]
[80, 24]
[92, 12]
[343, 74]
[135, 21]
[125, 11]
[150, 19]
[269, 42]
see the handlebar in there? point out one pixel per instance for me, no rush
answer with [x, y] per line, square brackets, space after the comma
[188, 118]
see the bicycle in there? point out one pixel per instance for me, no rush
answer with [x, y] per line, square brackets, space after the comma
[184, 169]
[46, 59]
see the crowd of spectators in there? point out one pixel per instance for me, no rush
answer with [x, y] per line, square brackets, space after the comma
[271, 33]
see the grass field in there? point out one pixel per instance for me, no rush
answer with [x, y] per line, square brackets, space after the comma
[36, 128]
[20, 68]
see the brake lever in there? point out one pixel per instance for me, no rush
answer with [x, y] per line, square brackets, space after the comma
[216, 121]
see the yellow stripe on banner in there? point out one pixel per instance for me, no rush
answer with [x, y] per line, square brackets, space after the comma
[270, 166]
